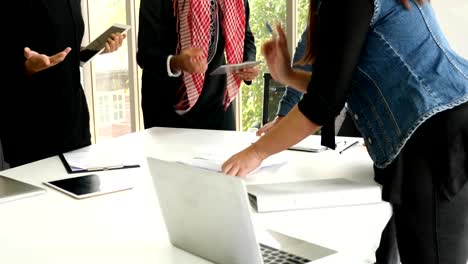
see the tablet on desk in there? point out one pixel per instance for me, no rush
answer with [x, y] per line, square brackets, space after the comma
[228, 68]
[91, 185]
[98, 45]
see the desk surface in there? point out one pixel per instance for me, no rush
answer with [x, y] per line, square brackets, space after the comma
[126, 227]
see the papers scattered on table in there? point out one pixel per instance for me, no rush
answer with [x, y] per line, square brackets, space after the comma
[97, 159]
[212, 161]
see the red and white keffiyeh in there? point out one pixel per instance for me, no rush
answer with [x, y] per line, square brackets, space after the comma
[194, 19]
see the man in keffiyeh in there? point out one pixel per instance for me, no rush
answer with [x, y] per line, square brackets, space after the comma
[179, 43]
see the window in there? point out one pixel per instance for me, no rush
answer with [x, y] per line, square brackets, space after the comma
[251, 96]
[109, 88]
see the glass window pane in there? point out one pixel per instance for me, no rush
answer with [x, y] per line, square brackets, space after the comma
[302, 16]
[261, 11]
[110, 72]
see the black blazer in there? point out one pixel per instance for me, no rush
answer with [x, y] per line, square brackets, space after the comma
[44, 114]
[157, 39]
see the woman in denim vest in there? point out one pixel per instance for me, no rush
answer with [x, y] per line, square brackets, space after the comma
[407, 91]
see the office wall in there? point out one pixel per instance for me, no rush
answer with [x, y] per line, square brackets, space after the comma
[452, 15]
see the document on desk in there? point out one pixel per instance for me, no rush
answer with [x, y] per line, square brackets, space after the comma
[214, 161]
[96, 159]
[312, 194]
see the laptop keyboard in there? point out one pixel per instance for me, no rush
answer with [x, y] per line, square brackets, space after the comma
[276, 256]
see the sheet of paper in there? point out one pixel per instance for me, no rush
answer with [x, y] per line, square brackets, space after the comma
[214, 161]
[92, 158]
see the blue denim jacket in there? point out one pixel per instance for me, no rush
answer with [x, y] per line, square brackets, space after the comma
[407, 72]
[292, 96]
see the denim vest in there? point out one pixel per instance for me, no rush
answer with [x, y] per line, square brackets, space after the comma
[407, 72]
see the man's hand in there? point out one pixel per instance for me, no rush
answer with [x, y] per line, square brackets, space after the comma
[247, 74]
[114, 42]
[36, 62]
[191, 60]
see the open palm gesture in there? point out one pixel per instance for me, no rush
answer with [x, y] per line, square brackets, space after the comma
[277, 56]
[36, 62]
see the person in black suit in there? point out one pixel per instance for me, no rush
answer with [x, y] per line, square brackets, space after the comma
[44, 108]
[179, 43]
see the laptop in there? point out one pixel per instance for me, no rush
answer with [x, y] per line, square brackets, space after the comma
[207, 214]
[11, 189]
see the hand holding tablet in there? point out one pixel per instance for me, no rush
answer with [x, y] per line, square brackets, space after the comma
[98, 45]
[230, 68]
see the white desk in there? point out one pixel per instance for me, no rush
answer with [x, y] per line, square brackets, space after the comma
[126, 227]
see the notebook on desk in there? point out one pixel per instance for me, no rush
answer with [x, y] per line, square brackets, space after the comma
[312, 194]
[11, 189]
[95, 159]
[207, 214]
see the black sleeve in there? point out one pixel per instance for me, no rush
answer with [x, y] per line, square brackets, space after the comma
[14, 73]
[157, 36]
[342, 30]
[250, 50]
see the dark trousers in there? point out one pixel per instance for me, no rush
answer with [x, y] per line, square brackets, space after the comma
[387, 252]
[432, 229]
[427, 187]
[429, 225]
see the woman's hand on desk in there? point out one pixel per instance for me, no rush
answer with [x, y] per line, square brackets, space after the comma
[242, 163]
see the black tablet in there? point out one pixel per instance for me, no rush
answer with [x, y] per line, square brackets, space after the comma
[97, 46]
[91, 185]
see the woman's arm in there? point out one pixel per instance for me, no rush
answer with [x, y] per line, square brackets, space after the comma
[342, 33]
